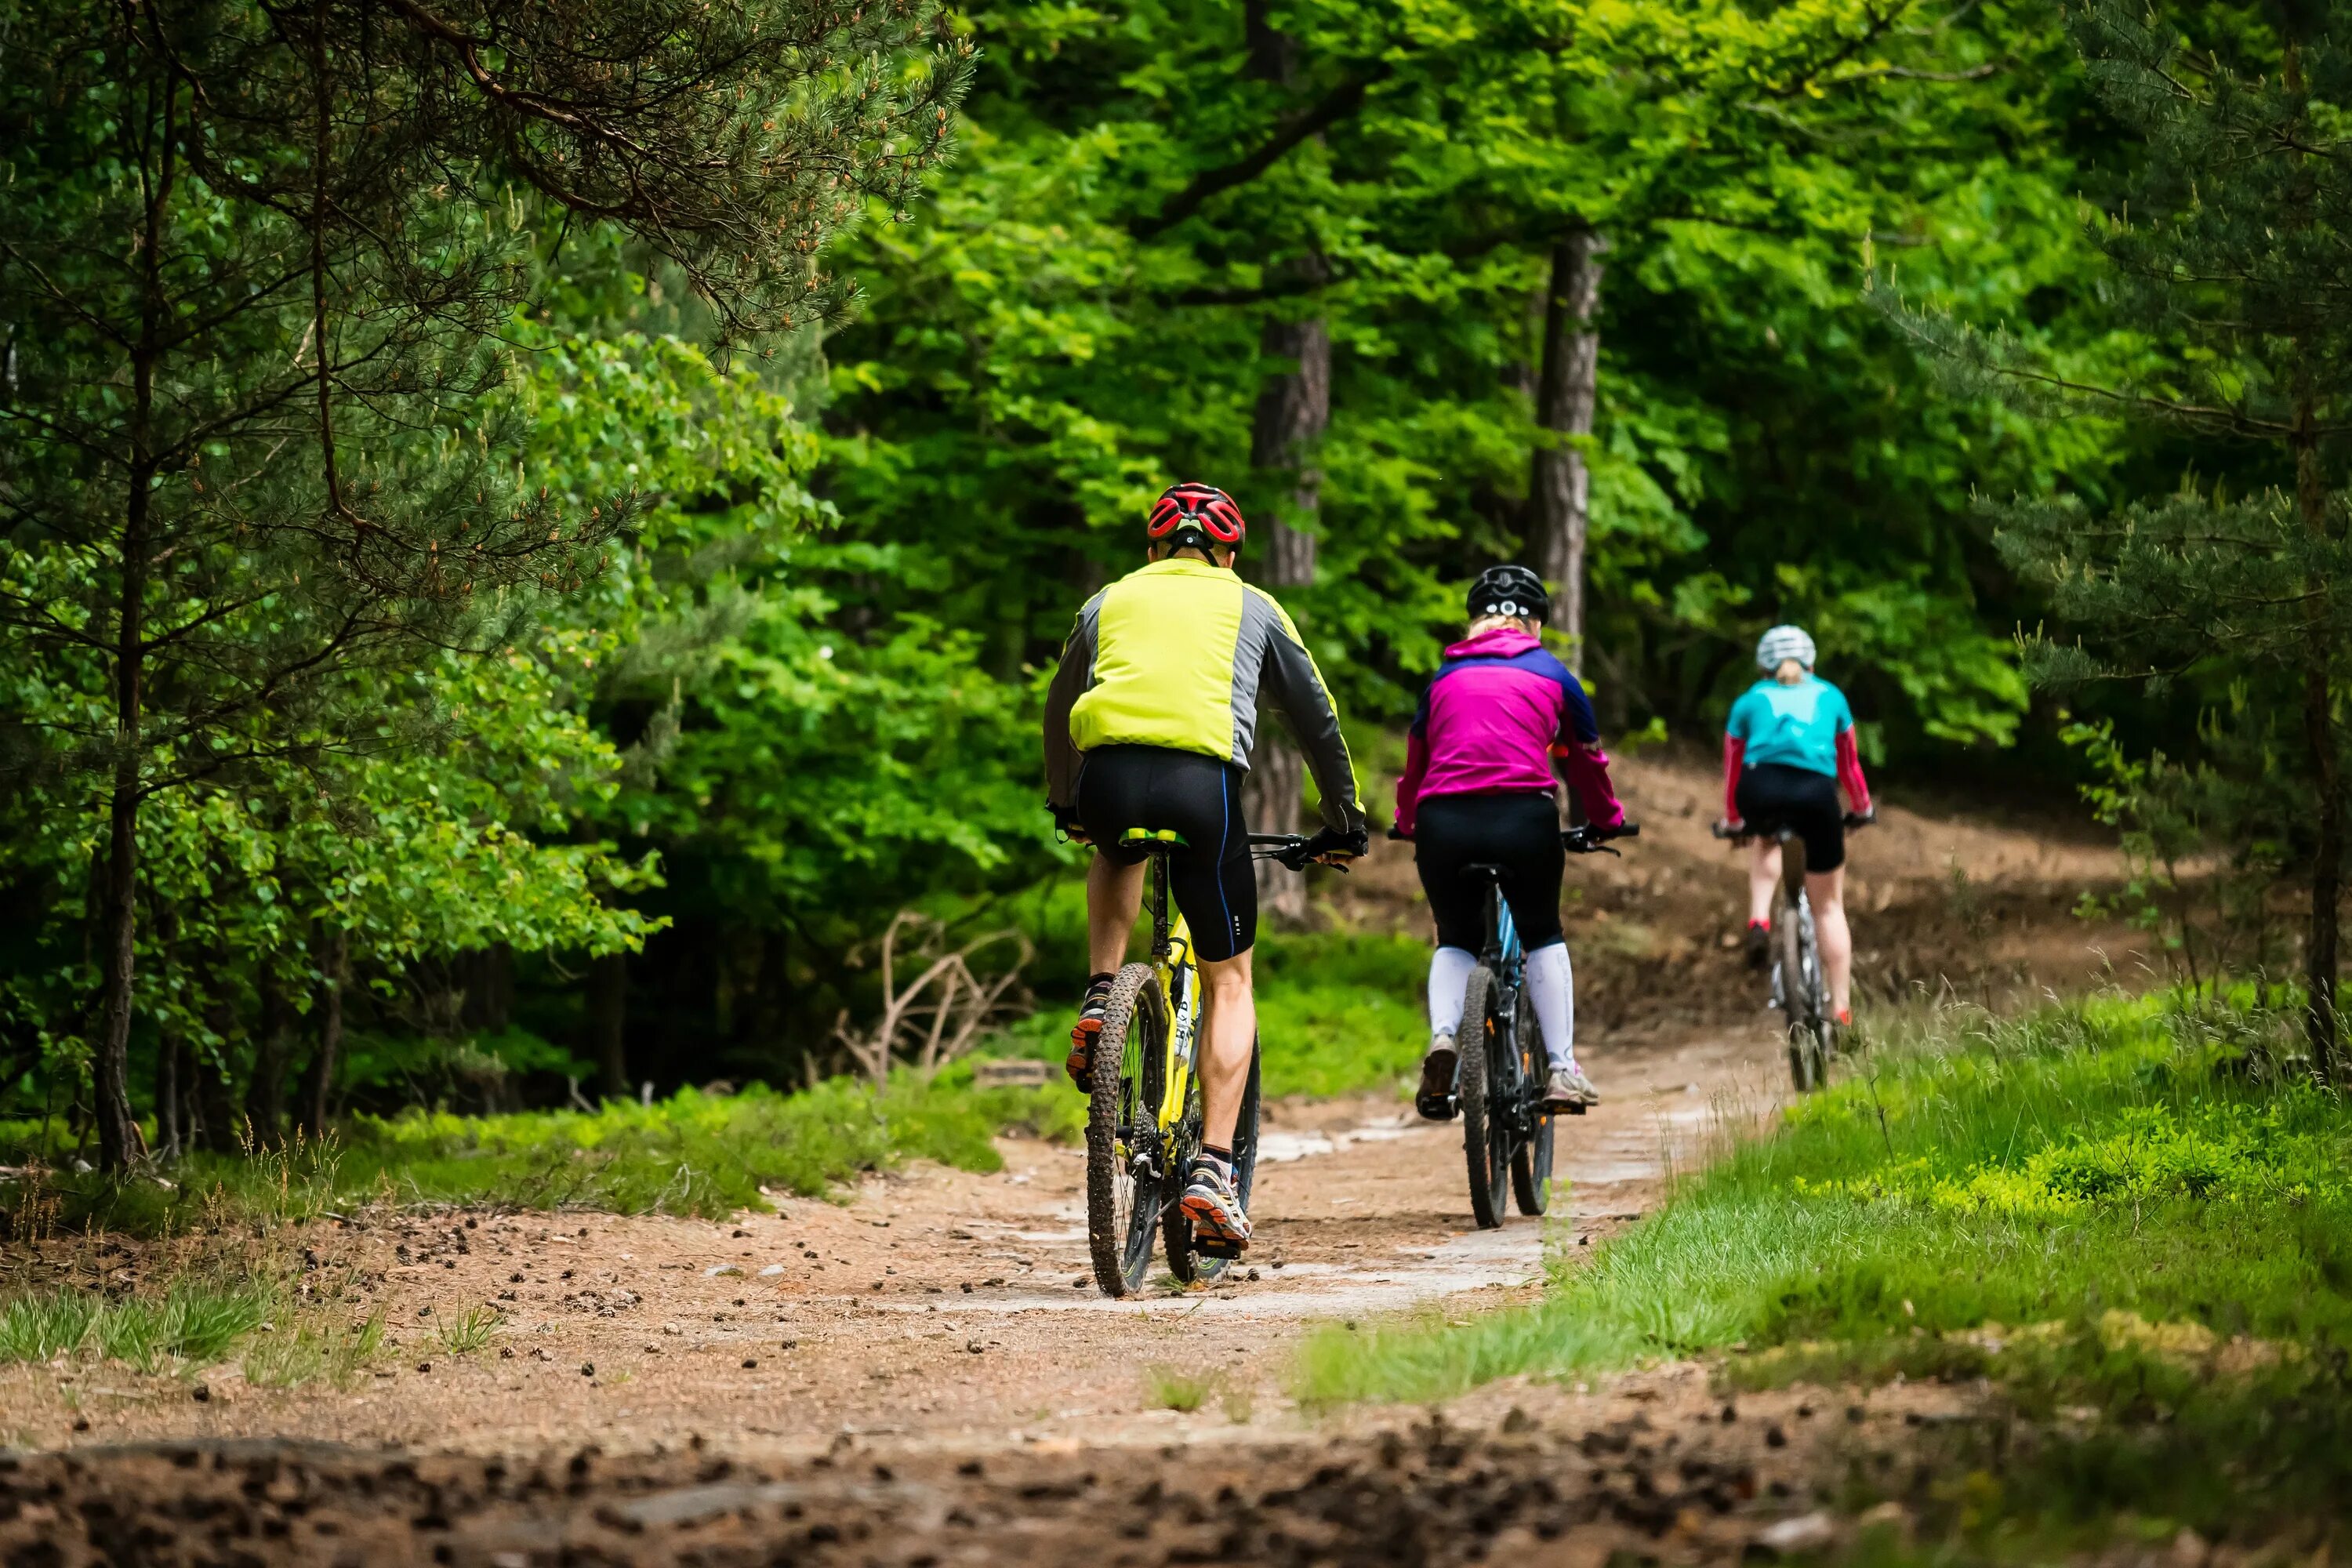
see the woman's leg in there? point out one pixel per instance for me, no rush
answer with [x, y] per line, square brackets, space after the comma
[1449, 972]
[1552, 986]
[1826, 890]
[1763, 880]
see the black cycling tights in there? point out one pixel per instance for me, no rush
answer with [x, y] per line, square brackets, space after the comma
[1211, 877]
[1518, 831]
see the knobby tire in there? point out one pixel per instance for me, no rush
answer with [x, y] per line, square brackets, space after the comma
[1531, 1160]
[1123, 1208]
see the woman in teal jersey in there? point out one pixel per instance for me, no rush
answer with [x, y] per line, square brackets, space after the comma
[1787, 747]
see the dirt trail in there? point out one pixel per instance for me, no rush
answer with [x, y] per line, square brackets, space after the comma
[936, 1306]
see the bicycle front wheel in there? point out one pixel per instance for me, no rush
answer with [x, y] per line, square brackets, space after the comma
[1800, 1002]
[1176, 1233]
[1128, 1171]
[1531, 1161]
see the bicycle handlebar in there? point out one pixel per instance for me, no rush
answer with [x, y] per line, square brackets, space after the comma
[1285, 849]
[1588, 839]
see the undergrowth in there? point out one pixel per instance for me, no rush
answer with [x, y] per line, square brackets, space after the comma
[1338, 1013]
[692, 1154]
[2113, 1206]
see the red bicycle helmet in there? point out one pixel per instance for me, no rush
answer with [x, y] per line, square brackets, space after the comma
[1198, 516]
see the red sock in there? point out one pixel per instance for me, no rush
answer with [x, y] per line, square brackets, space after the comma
[1759, 925]
[1845, 1017]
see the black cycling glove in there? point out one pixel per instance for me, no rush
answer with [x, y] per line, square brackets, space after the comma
[1331, 841]
[1066, 818]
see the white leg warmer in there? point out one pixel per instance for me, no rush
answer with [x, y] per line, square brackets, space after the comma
[1552, 986]
[1449, 972]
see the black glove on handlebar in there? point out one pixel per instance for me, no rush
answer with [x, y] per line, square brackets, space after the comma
[1066, 819]
[1331, 841]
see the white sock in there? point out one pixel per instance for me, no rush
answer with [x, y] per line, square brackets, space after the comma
[1449, 972]
[1552, 986]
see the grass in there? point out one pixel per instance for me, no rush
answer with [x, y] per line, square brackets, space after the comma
[316, 1351]
[2113, 1206]
[191, 1324]
[467, 1333]
[692, 1154]
[1174, 1388]
[1170, 1388]
[1340, 1012]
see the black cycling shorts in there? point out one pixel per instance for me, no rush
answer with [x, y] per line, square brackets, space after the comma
[1215, 883]
[1518, 831]
[1773, 795]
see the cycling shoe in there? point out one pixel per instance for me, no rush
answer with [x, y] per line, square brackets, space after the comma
[1435, 1098]
[1220, 1228]
[1079, 1063]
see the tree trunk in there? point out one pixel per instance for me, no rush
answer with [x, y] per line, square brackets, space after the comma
[2319, 951]
[1559, 486]
[487, 975]
[265, 1091]
[608, 1019]
[319, 1080]
[167, 1095]
[1294, 410]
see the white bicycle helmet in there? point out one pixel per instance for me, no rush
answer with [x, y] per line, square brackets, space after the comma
[1783, 643]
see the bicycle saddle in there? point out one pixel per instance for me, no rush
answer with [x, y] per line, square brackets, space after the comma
[1153, 836]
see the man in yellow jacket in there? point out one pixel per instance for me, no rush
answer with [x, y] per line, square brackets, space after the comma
[1148, 724]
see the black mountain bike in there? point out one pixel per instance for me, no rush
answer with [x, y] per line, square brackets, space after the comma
[1800, 993]
[1499, 1062]
[1143, 1107]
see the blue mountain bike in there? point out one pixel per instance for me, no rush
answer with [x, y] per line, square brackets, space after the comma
[1506, 1134]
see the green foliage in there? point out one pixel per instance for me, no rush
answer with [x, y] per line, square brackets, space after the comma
[1341, 1013]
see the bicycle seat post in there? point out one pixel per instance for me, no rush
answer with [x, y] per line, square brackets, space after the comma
[1157, 845]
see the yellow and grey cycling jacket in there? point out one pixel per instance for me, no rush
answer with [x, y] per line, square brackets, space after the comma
[1179, 654]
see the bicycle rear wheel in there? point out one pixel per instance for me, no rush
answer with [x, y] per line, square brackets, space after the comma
[1531, 1161]
[1127, 1168]
[1486, 1136]
[1176, 1232]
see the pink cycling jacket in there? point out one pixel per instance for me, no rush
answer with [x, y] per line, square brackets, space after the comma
[1496, 712]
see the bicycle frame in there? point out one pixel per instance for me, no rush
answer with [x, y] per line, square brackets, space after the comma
[1172, 960]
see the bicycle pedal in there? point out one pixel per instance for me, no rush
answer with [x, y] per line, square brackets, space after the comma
[1213, 1247]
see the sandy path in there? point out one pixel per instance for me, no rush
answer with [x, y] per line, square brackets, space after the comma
[934, 1308]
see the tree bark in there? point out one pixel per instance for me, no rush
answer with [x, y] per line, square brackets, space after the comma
[1559, 485]
[608, 1019]
[120, 1141]
[318, 1078]
[1294, 410]
[2320, 943]
[265, 1091]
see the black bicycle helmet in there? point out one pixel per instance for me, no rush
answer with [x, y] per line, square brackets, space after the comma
[1509, 591]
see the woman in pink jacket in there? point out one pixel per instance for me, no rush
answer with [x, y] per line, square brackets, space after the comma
[1479, 789]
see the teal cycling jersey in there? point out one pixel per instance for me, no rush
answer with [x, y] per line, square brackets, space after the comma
[1797, 726]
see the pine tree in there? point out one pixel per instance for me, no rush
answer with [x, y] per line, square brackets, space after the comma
[2228, 255]
[257, 269]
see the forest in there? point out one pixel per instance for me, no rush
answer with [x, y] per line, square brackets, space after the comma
[522, 576]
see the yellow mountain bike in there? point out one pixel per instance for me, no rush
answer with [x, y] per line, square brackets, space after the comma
[1143, 1112]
